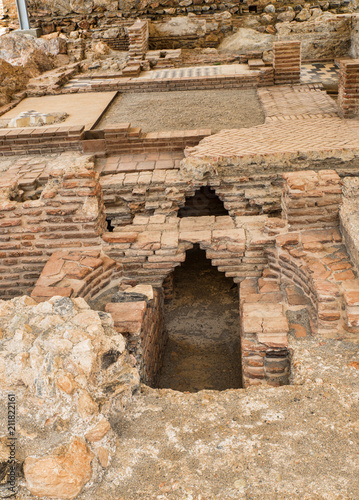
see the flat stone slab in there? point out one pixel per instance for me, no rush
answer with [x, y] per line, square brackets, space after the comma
[83, 109]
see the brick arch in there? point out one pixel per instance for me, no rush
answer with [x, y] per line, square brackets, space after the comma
[150, 248]
[316, 262]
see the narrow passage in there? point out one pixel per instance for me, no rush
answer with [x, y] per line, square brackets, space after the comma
[203, 350]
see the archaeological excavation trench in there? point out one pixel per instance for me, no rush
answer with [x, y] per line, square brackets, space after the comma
[179, 293]
[202, 320]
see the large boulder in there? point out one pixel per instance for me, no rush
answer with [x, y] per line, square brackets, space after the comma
[36, 55]
[178, 26]
[69, 371]
[247, 40]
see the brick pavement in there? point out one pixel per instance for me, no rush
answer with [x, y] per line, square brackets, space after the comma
[296, 102]
[284, 136]
[139, 162]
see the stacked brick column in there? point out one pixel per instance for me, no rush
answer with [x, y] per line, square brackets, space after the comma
[286, 62]
[348, 96]
[264, 330]
[138, 38]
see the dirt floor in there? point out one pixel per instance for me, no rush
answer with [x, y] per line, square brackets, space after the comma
[196, 109]
[202, 320]
[296, 442]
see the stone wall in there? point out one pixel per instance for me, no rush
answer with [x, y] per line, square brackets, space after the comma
[325, 37]
[354, 47]
[348, 100]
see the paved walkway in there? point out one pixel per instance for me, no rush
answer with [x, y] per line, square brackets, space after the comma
[296, 102]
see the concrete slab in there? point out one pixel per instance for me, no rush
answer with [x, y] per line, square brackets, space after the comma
[83, 109]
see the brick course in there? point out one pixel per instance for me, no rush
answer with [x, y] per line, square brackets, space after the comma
[286, 62]
[348, 100]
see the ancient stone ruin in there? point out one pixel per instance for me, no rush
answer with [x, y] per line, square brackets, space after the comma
[179, 250]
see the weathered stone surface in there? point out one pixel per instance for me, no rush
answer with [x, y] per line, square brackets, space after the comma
[247, 40]
[288, 15]
[326, 36]
[60, 476]
[178, 26]
[303, 15]
[12, 79]
[68, 369]
[25, 50]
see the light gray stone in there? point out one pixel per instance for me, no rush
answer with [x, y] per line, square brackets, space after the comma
[247, 40]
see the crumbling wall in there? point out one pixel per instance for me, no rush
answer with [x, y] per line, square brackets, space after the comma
[69, 214]
[354, 47]
[325, 37]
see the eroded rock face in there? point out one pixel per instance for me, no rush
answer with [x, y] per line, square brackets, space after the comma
[60, 476]
[322, 36]
[178, 26]
[12, 79]
[20, 49]
[54, 358]
[247, 40]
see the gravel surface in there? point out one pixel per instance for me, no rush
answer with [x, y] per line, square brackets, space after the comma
[196, 109]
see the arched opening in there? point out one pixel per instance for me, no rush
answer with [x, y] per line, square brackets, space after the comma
[204, 202]
[202, 320]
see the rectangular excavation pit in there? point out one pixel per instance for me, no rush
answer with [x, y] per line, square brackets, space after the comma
[181, 110]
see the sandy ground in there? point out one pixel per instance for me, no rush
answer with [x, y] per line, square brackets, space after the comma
[203, 324]
[196, 109]
[297, 442]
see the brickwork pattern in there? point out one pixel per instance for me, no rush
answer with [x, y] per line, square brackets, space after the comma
[311, 199]
[317, 262]
[68, 215]
[40, 140]
[122, 138]
[348, 100]
[151, 247]
[138, 39]
[296, 102]
[286, 62]
[260, 78]
[327, 135]
[142, 325]
[75, 274]
[264, 331]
